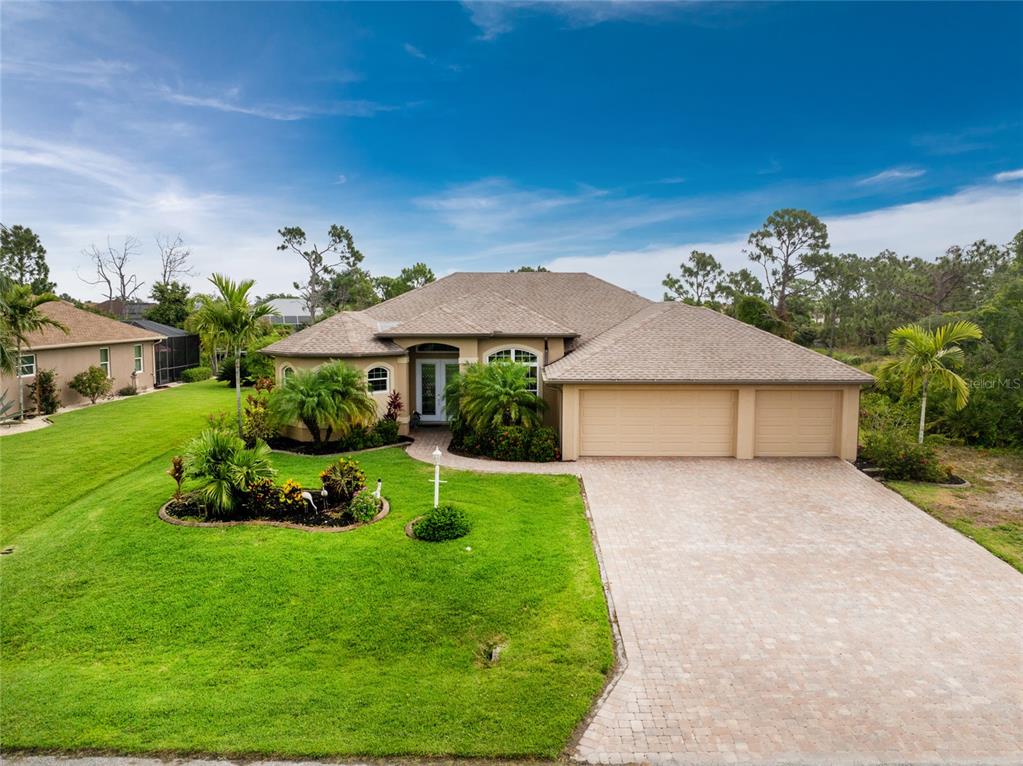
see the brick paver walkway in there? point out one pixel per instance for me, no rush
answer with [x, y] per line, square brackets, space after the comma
[429, 437]
[795, 611]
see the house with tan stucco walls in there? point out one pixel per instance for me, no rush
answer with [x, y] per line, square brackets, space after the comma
[125, 352]
[621, 375]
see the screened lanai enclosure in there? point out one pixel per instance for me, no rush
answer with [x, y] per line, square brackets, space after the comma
[178, 351]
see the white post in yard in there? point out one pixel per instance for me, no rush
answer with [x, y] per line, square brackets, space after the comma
[380, 484]
[436, 476]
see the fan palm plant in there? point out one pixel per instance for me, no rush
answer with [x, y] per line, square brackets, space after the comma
[494, 395]
[225, 468]
[20, 316]
[230, 318]
[925, 358]
[333, 398]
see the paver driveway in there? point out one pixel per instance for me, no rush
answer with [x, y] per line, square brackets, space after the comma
[794, 611]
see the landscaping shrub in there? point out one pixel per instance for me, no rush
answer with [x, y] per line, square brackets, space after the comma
[900, 457]
[330, 399]
[220, 421]
[544, 445]
[127, 391]
[511, 443]
[92, 384]
[445, 522]
[257, 424]
[264, 498]
[387, 430]
[343, 480]
[44, 392]
[225, 469]
[394, 406]
[364, 506]
[196, 374]
[292, 502]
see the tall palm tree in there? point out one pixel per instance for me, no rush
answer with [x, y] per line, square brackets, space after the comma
[495, 394]
[232, 319]
[331, 398]
[19, 317]
[927, 357]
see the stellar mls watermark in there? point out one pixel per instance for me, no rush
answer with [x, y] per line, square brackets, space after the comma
[991, 384]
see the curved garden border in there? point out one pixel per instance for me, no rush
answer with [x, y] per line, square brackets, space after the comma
[164, 516]
[409, 533]
[402, 444]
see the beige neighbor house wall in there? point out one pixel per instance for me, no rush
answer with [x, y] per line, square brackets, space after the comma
[71, 360]
[768, 420]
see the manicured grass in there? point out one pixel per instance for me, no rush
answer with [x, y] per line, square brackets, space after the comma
[121, 632]
[990, 510]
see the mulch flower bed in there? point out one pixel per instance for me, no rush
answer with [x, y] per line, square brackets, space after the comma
[185, 514]
[295, 447]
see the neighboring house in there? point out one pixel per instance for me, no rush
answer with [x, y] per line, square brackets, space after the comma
[293, 312]
[621, 375]
[125, 310]
[178, 351]
[92, 340]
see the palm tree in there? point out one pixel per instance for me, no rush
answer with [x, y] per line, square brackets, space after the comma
[332, 398]
[926, 357]
[19, 317]
[225, 467]
[231, 319]
[494, 395]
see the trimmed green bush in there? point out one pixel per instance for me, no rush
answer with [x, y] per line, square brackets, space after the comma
[92, 384]
[127, 391]
[44, 391]
[387, 430]
[443, 523]
[196, 374]
[901, 458]
[364, 506]
[544, 445]
[511, 443]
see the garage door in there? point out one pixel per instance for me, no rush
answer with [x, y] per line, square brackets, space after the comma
[797, 423]
[651, 422]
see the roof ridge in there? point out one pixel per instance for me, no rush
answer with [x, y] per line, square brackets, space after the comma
[594, 345]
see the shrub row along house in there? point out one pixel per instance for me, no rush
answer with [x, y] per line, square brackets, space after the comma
[124, 352]
[621, 375]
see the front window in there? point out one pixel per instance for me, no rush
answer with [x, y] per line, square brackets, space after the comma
[286, 373]
[528, 358]
[104, 360]
[137, 351]
[378, 379]
[27, 366]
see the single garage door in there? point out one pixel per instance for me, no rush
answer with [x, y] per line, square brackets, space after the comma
[657, 421]
[797, 423]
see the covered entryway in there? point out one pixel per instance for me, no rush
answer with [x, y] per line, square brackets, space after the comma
[797, 423]
[657, 421]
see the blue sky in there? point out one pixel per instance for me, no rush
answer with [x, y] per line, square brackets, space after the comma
[606, 137]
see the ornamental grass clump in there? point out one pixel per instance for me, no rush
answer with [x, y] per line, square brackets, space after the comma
[446, 522]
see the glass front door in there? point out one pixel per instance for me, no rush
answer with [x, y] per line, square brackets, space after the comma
[433, 375]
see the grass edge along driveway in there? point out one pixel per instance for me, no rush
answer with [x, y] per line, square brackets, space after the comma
[123, 633]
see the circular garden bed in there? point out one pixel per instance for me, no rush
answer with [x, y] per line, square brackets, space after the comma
[321, 523]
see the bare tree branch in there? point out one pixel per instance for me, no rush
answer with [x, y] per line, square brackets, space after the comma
[173, 258]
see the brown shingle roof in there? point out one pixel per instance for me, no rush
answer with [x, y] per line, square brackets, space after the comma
[348, 333]
[579, 303]
[84, 328]
[677, 343]
[480, 313]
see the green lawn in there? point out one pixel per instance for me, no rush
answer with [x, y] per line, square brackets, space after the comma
[123, 633]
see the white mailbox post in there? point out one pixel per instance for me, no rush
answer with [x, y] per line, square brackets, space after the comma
[436, 476]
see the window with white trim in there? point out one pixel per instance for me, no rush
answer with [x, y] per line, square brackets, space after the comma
[287, 372]
[104, 360]
[27, 366]
[136, 351]
[378, 379]
[520, 355]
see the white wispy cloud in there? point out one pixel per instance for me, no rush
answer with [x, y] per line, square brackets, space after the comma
[94, 73]
[925, 229]
[230, 102]
[890, 175]
[1009, 175]
[413, 51]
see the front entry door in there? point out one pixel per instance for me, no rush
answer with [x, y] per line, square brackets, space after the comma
[433, 375]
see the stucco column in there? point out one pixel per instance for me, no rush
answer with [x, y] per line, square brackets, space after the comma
[849, 431]
[570, 423]
[402, 384]
[468, 351]
[745, 422]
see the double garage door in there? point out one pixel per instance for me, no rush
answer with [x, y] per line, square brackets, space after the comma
[702, 422]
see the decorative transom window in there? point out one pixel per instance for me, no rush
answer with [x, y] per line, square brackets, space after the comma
[136, 351]
[521, 356]
[27, 366]
[378, 379]
[104, 360]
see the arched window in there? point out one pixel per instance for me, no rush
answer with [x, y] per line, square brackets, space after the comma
[286, 372]
[521, 356]
[378, 379]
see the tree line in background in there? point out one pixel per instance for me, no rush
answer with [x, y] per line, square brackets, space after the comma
[861, 309]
